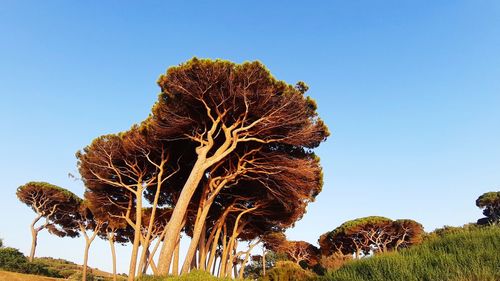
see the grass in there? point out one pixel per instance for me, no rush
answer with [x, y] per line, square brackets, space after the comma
[467, 255]
[14, 276]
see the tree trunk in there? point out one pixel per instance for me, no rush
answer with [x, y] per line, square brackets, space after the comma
[264, 262]
[175, 266]
[137, 233]
[145, 265]
[111, 240]
[145, 250]
[175, 224]
[202, 254]
[195, 241]
[85, 259]
[34, 236]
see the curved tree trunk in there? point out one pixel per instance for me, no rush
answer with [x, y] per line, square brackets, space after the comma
[174, 226]
[34, 236]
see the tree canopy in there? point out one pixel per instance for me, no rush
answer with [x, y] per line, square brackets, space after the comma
[367, 235]
[490, 203]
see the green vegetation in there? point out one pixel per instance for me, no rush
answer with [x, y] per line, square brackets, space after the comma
[470, 254]
[195, 275]
[288, 271]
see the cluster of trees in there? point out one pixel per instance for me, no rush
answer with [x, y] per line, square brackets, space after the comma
[225, 157]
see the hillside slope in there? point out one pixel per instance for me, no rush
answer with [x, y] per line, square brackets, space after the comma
[472, 255]
[14, 276]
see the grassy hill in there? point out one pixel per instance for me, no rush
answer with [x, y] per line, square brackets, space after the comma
[463, 255]
[14, 276]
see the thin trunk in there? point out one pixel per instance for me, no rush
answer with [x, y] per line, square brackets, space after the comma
[223, 258]
[145, 265]
[215, 240]
[214, 267]
[85, 259]
[174, 226]
[193, 264]
[111, 239]
[137, 233]
[34, 236]
[88, 242]
[247, 257]
[195, 241]
[203, 250]
[235, 269]
[145, 251]
[264, 253]
[230, 260]
[175, 266]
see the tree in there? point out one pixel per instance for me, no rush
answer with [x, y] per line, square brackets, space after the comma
[219, 106]
[490, 203]
[407, 233]
[225, 127]
[124, 167]
[51, 202]
[85, 220]
[296, 251]
[114, 228]
[364, 236]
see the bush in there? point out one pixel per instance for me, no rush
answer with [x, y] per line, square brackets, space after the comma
[12, 260]
[334, 261]
[287, 271]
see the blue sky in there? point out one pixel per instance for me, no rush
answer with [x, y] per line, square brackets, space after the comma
[409, 89]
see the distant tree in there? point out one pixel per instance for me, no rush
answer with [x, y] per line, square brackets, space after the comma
[51, 202]
[368, 235]
[296, 251]
[406, 233]
[490, 203]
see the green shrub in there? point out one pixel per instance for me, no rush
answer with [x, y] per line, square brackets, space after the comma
[287, 271]
[12, 260]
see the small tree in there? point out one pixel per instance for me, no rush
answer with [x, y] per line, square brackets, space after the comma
[85, 220]
[51, 202]
[300, 252]
[490, 203]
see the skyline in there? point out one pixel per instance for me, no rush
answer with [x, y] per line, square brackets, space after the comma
[409, 91]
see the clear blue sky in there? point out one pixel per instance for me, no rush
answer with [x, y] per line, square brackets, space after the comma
[409, 89]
